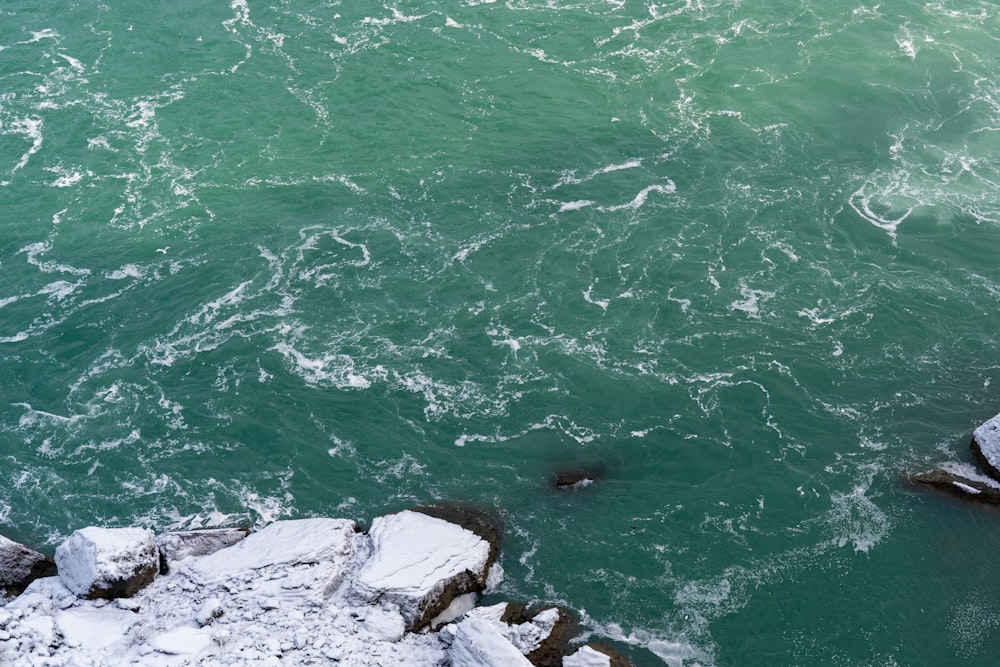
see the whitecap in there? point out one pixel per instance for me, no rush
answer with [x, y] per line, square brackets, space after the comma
[751, 301]
[640, 198]
[127, 271]
[588, 297]
[575, 205]
[31, 128]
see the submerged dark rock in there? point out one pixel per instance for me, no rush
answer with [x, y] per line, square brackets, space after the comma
[572, 479]
[19, 566]
[962, 487]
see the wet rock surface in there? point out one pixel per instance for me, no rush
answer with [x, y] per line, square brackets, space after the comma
[972, 490]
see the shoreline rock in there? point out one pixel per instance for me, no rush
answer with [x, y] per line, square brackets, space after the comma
[986, 446]
[307, 591]
[19, 566]
[964, 481]
[108, 562]
[966, 488]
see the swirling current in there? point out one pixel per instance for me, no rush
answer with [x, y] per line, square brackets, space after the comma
[295, 258]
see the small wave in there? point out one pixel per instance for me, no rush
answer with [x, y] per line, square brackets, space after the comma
[643, 195]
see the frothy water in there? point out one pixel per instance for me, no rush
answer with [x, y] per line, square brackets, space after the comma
[263, 261]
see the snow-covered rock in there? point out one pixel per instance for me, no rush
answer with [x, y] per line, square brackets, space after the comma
[986, 446]
[286, 595]
[421, 563]
[177, 546]
[108, 562]
[19, 566]
[587, 657]
[296, 542]
[596, 654]
[477, 643]
[541, 635]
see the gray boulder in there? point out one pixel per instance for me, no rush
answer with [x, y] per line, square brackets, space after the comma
[986, 446]
[596, 654]
[19, 566]
[966, 488]
[108, 562]
[179, 545]
[421, 562]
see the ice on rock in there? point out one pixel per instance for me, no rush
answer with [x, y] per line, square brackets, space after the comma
[182, 641]
[460, 606]
[91, 629]
[210, 610]
[296, 593]
[421, 563]
[587, 657]
[540, 635]
[283, 543]
[186, 544]
[477, 643]
[386, 625]
[107, 562]
[986, 446]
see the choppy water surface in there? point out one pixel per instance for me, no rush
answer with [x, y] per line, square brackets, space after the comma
[264, 260]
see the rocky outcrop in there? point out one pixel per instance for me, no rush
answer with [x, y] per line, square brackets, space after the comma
[108, 562]
[986, 446]
[963, 480]
[573, 479]
[966, 488]
[308, 591]
[596, 654]
[477, 643]
[180, 545]
[542, 634]
[19, 566]
[421, 563]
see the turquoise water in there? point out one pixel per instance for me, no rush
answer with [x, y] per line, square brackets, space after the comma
[317, 258]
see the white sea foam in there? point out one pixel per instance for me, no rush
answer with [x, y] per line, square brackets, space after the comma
[857, 520]
[35, 250]
[337, 369]
[66, 178]
[752, 299]
[643, 195]
[575, 205]
[126, 271]
[30, 128]
[570, 178]
[588, 297]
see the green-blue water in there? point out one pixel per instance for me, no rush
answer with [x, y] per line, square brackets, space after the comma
[300, 258]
